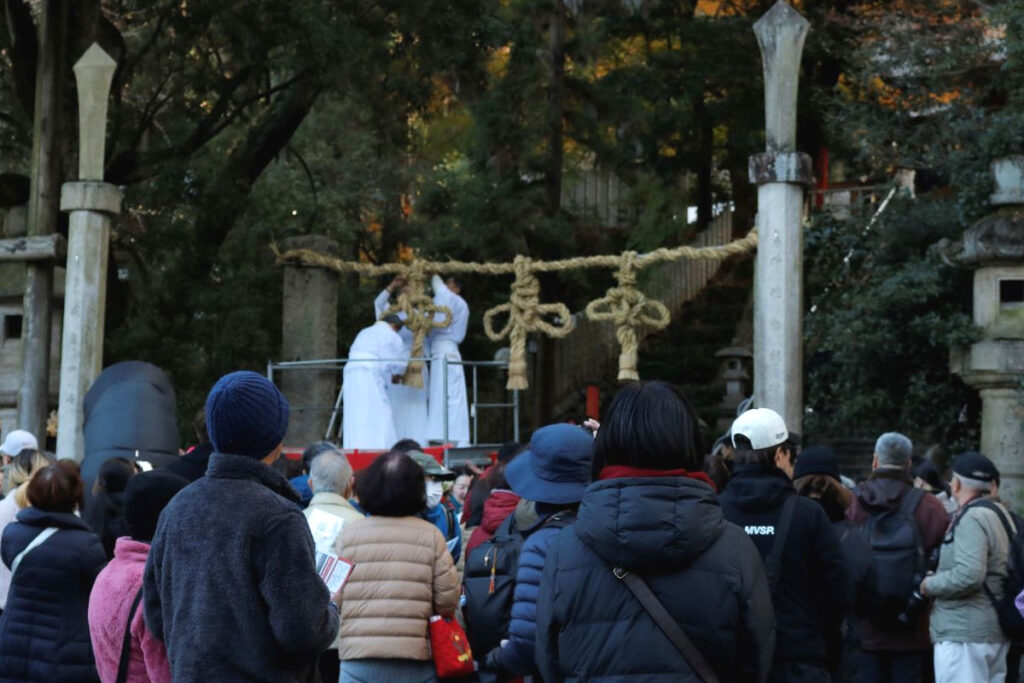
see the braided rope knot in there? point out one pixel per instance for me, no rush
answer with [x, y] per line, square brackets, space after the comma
[631, 312]
[525, 315]
[420, 317]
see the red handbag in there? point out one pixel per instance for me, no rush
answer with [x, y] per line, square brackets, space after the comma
[448, 642]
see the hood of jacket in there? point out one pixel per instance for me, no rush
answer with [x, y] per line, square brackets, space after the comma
[649, 522]
[41, 518]
[883, 489]
[754, 488]
[130, 551]
[499, 505]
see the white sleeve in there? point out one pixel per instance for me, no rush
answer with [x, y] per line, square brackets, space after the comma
[460, 320]
[394, 348]
[381, 303]
[442, 295]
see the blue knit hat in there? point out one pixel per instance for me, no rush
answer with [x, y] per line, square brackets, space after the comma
[246, 415]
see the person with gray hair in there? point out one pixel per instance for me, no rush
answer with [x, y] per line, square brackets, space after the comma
[891, 649]
[330, 479]
[892, 451]
[969, 643]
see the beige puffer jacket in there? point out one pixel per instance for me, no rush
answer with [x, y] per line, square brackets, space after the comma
[403, 575]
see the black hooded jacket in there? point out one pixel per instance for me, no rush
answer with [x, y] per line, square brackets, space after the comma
[671, 532]
[812, 595]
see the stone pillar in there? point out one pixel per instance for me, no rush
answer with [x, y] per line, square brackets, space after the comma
[994, 248]
[781, 174]
[92, 203]
[309, 332]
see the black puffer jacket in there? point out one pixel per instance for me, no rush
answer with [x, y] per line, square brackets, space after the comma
[44, 632]
[705, 571]
[813, 592]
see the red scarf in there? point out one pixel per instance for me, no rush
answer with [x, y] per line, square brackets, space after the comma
[622, 471]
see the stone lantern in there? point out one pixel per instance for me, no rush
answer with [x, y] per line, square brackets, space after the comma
[994, 248]
[733, 373]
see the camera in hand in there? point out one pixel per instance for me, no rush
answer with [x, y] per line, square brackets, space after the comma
[917, 603]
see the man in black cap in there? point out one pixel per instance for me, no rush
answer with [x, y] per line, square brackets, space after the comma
[969, 643]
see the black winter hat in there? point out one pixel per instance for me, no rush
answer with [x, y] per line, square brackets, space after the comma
[145, 497]
[974, 465]
[817, 460]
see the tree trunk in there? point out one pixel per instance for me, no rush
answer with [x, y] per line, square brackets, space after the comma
[556, 109]
[705, 162]
[43, 214]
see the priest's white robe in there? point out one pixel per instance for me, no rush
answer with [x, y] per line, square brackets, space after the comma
[375, 355]
[408, 404]
[444, 343]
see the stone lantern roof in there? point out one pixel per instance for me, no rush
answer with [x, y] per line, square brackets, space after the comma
[997, 239]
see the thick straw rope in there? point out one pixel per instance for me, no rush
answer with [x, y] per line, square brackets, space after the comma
[632, 313]
[624, 305]
[525, 315]
[420, 318]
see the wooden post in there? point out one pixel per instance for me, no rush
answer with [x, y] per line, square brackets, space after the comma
[91, 203]
[43, 213]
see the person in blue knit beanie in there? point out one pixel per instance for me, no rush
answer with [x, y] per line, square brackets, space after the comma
[231, 585]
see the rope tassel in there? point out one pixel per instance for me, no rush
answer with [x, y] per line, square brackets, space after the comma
[632, 313]
[525, 315]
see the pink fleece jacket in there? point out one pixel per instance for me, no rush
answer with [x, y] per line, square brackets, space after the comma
[109, 603]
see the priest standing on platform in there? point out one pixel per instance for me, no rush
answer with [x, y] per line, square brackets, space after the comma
[375, 359]
[408, 404]
[444, 343]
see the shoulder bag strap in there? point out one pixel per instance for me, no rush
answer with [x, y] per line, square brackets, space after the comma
[642, 592]
[911, 499]
[773, 565]
[453, 526]
[36, 542]
[126, 645]
[990, 504]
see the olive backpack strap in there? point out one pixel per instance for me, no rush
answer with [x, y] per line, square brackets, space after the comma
[126, 644]
[649, 601]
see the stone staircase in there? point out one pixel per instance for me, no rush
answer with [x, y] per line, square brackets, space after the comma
[590, 354]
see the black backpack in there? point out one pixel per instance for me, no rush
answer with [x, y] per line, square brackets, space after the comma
[490, 580]
[1010, 620]
[899, 555]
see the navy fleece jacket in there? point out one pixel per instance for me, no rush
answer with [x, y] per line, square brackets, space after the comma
[231, 585]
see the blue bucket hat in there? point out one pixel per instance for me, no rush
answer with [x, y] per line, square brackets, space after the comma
[555, 468]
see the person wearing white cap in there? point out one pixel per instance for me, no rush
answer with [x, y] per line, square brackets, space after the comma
[16, 441]
[803, 558]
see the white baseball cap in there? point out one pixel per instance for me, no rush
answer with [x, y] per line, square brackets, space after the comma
[763, 427]
[17, 441]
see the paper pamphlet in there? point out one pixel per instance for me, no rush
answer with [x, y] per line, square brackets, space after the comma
[326, 528]
[333, 570]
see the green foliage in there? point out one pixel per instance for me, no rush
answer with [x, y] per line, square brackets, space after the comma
[884, 315]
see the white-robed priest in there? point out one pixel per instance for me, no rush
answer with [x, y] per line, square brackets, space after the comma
[408, 404]
[376, 358]
[444, 343]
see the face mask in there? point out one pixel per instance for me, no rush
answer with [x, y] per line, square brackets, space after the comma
[434, 492]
